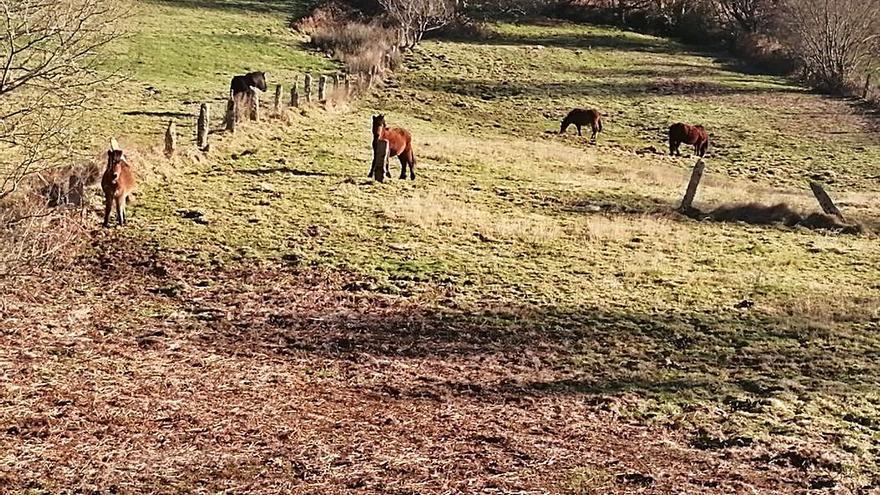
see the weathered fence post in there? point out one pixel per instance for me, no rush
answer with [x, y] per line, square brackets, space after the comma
[170, 138]
[307, 88]
[322, 88]
[347, 85]
[825, 202]
[335, 82]
[867, 87]
[691, 192]
[255, 106]
[278, 90]
[294, 94]
[380, 158]
[202, 128]
[231, 114]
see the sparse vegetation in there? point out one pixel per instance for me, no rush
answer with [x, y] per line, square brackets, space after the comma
[529, 315]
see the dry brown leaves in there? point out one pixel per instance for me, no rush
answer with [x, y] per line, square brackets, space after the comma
[134, 374]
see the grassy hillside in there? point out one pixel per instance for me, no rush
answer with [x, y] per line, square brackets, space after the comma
[535, 289]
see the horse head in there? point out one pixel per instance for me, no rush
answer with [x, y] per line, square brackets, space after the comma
[259, 80]
[378, 123]
[115, 159]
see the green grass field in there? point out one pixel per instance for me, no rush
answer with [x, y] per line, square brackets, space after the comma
[521, 266]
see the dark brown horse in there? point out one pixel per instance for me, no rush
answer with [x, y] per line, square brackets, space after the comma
[399, 145]
[580, 117]
[695, 135]
[117, 184]
[246, 83]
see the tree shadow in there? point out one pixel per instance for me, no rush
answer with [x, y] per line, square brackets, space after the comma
[281, 170]
[492, 89]
[585, 41]
[146, 113]
[542, 349]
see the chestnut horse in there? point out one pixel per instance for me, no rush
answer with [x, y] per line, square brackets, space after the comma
[695, 135]
[580, 117]
[117, 184]
[399, 145]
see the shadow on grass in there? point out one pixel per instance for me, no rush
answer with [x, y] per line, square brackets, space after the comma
[145, 113]
[586, 350]
[281, 170]
[490, 89]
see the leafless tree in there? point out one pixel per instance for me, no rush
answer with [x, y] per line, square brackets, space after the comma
[48, 63]
[417, 17]
[833, 38]
[749, 16]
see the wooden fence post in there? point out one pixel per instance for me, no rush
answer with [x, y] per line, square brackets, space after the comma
[170, 138]
[255, 106]
[825, 202]
[347, 85]
[231, 114]
[307, 88]
[322, 88]
[691, 192]
[203, 128]
[294, 94]
[380, 159]
[335, 82]
[867, 87]
[278, 90]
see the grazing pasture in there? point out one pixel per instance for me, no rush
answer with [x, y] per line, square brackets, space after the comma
[529, 316]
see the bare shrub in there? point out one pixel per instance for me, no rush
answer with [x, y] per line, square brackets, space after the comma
[361, 47]
[833, 38]
[49, 65]
[417, 17]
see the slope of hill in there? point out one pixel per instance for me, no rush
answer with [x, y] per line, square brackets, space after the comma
[528, 316]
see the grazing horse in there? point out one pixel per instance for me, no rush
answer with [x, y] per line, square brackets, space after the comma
[117, 184]
[399, 145]
[580, 117]
[245, 83]
[695, 135]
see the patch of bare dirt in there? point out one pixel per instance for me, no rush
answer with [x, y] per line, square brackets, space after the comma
[153, 377]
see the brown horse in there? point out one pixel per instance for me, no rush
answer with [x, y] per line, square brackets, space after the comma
[580, 117]
[117, 184]
[695, 135]
[399, 145]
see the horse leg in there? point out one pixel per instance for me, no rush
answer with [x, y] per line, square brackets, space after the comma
[579, 129]
[118, 204]
[108, 206]
[411, 158]
[402, 158]
[122, 213]
[595, 133]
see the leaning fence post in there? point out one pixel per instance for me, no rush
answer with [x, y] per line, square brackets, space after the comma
[278, 90]
[202, 128]
[825, 201]
[170, 138]
[294, 94]
[307, 88]
[691, 192]
[322, 88]
[231, 114]
[380, 158]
